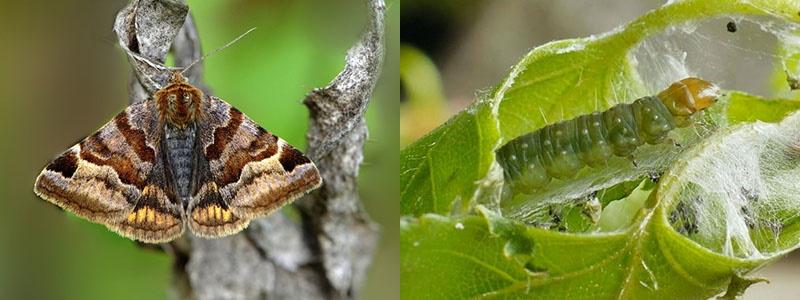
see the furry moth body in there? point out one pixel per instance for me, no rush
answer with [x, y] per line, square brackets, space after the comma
[179, 159]
[560, 150]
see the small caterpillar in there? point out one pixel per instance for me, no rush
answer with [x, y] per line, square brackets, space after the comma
[560, 150]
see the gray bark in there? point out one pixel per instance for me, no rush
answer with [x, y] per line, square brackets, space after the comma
[327, 255]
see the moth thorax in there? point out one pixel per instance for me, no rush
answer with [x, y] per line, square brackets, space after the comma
[688, 96]
[179, 103]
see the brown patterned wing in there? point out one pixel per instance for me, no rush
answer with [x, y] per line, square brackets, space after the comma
[246, 172]
[115, 177]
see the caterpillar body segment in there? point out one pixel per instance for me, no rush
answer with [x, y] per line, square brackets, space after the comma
[592, 145]
[562, 149]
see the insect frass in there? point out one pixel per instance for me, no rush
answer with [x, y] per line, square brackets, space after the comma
[560, 150]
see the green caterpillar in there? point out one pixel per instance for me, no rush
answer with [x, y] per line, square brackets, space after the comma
[560, 150]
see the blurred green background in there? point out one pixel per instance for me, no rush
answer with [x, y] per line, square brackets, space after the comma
[62, 76]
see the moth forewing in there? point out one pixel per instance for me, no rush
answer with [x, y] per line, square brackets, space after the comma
[255, 171]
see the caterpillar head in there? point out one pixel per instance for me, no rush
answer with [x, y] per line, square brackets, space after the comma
[688, 96]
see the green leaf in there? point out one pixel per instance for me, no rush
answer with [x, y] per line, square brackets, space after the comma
[442, 172]
[739, 190]
[440, 261]
[789, 51]
[744, 107]
[618, 215]
[738, 285]
[496, 257]
[439, 170]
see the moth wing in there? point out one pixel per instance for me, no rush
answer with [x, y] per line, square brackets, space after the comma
[106, 178]
[245, 172]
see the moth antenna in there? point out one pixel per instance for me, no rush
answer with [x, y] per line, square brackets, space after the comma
[216, 50]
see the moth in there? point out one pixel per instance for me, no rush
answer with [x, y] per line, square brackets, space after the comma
[178, 159]
[560, 150]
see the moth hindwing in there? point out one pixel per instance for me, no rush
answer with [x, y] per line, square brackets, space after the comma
[179, 158]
